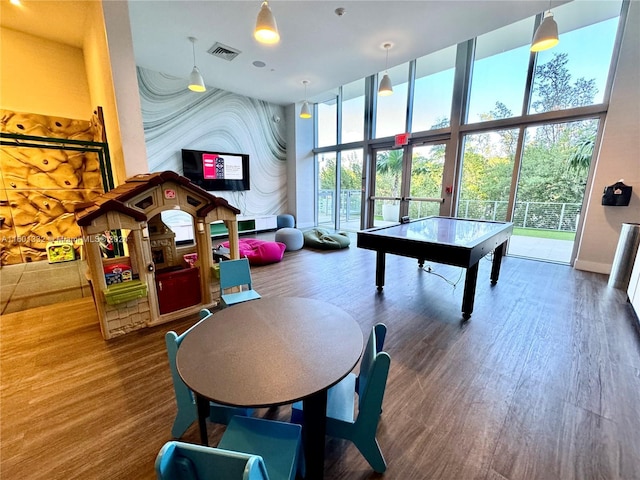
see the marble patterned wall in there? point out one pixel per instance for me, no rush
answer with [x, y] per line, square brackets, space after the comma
[176, 118]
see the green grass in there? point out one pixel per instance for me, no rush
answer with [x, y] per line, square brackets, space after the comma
[539, 233]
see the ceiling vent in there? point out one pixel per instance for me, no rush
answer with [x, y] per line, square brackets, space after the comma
[222, 51]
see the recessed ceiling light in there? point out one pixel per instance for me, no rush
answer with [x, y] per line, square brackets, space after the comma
[340, 11]
[259, 64]
[15, 2]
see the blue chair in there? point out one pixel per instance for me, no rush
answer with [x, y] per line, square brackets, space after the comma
[379, 331]
[185, 461]
[236, 274]
[278, 443]
[369, 386]
[185, 400]
[341, 395]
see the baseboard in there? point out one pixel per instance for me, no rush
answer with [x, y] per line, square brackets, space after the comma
[594, 267]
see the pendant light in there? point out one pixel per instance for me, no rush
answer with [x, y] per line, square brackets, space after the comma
[305, 111]
[546, 35]
[196, 82]
[385, 89]
[266, 30]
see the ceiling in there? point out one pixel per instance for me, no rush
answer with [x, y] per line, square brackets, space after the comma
[316, 44]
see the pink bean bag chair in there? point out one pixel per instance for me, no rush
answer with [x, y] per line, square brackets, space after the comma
[259, 252]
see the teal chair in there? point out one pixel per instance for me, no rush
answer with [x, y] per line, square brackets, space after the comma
[184, 461]
[185, 400]
[379, 332]
[278, 443]
[236, 273]
[341, 394]
[369, 386]
[250, 449]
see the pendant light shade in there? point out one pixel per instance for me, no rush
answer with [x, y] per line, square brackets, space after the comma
[266, 30]
[196, 82]
[546, 35]
[305, 111]
[385, 89]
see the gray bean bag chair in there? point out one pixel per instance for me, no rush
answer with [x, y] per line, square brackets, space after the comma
[324, 240]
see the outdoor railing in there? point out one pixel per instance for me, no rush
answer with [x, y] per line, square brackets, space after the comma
[540, 215]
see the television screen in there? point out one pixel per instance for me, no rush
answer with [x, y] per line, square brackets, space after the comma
[216, 171]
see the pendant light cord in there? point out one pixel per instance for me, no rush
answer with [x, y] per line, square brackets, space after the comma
[386, 62]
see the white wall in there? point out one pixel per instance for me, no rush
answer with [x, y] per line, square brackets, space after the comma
[619, 157]
[42, 76]
[125, 86]
[300, 168]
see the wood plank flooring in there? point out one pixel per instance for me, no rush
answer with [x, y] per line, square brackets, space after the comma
[542, 383]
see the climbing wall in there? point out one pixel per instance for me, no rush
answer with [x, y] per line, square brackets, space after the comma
[40, 185]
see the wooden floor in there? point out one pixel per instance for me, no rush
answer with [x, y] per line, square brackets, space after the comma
[542, 383]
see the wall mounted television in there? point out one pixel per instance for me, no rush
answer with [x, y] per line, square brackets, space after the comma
[216, 171]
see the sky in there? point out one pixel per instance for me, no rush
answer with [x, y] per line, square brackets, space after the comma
[496, 77]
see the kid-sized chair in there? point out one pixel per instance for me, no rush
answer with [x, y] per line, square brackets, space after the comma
[185, 461]
[185, 400]
[236, 273]
[250, 449]
[369, 386]
[278, 443]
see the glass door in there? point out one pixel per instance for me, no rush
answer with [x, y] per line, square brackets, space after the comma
[408, 182]
[387, 192]
[424, 195]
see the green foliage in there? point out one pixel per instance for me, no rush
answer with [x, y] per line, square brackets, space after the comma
[555, 162]
[580, 158]
[556, 157]
[426, 173]
[350, 174]
[389, 169]
[328, 175]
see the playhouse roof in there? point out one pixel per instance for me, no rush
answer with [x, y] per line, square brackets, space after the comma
[118, 198]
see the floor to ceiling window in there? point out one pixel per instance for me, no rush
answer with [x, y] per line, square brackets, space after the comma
[351, 163]
[550, 189]
[544, 195]
[326, 187]
[489, 117]
[340, 196]
[340, 172]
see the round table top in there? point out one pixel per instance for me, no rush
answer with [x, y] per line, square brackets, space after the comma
[268, 352]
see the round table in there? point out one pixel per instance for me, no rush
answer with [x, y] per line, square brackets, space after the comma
[269, 352]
